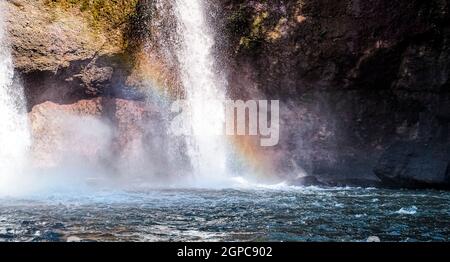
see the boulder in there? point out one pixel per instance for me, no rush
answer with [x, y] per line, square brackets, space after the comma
[307, 181]
[415, 165]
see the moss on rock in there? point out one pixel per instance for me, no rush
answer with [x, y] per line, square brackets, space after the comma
[109, 13]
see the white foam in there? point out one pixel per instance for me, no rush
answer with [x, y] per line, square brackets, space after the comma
[407, 210]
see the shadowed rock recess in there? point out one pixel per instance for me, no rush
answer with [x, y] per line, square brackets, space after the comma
[364, 84]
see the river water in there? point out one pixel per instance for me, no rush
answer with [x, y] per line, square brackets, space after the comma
[277, 213]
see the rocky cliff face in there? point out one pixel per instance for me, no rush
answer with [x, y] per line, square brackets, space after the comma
[72, 58]
[355, 77]
[69, 50]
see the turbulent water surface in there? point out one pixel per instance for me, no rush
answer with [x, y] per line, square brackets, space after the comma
[264, 214]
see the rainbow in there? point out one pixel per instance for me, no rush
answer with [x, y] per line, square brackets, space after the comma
[245, 154]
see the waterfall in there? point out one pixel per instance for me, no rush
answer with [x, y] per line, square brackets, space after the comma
[14, 132]
[206, 148]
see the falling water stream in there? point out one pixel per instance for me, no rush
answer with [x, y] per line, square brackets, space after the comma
[206, 148]
[14, 132]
